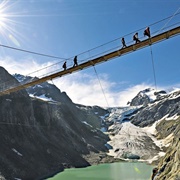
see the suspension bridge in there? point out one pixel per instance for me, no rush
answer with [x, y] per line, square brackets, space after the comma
[103, 57]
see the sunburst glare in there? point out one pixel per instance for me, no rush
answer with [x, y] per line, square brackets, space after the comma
[8, 23]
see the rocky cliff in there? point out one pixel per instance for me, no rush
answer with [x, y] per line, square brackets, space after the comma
[166, 105]
[164, 113]
[40, 138]
[169, 165]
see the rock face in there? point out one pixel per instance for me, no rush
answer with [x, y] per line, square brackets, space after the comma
[41, 138]
[169, 165]
[97, 120]
[168, 105]
[147, 131]
[44, 89]
[140, 99]
[146, 96]
[166, 110]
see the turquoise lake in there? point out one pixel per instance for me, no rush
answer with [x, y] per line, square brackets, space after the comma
[113, 171]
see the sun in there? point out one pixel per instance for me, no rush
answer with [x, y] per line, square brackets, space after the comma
[3, 16]
[7, 22]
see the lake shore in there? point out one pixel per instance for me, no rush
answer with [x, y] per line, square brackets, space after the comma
[108, 171]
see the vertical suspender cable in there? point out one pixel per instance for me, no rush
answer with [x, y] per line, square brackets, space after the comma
[153, 69]
[151, 47]
[101, 86]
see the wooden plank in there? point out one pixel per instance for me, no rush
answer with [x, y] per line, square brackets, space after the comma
[106, 57]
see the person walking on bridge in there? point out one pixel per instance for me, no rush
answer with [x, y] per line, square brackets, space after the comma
[136, 39]
[75, 61]
[64, 65]
[147, 32]
[123, 43]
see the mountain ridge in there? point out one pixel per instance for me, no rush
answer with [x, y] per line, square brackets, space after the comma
[49, 127]
[44, 135]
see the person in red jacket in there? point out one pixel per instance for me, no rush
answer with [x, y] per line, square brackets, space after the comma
[147, 32]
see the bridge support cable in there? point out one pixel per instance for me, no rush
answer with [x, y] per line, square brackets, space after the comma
[101, 86]
[176, 13]
[154, 73]
[95, 60]
[32, 52]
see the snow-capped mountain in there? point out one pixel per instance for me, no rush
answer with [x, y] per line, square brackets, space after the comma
[135, 131]
[44, 91]
[146, 96]
[168, 105]
[151, 131]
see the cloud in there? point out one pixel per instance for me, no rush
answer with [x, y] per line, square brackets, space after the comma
[85, 89]
[26, 66]
[89, 91]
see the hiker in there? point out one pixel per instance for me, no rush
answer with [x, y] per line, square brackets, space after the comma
[123, 43]
[64, 65]
[75, 61]
[147, 32]
[135, 38]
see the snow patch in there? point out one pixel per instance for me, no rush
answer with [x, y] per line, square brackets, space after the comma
[42, 97]
[151, 95]
[39, 86]
[174, 95]
[167, 141]
[160, 154]
[172, 118]
[131, 139]
[18, 153]
[152, 131]
[86, 123]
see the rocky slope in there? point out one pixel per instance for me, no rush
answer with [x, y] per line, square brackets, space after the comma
[149, 131]
[164, 112]
[169, 165]
[39, 138]
[166, 105]
[130, 141]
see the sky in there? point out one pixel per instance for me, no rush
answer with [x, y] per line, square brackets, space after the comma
[65, 28]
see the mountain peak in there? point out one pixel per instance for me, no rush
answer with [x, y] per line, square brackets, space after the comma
[147, 96]
[44, 90]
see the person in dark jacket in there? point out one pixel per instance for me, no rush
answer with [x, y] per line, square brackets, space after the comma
[123, 43]
[135, 38]
[75, 61]
[64, 65]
